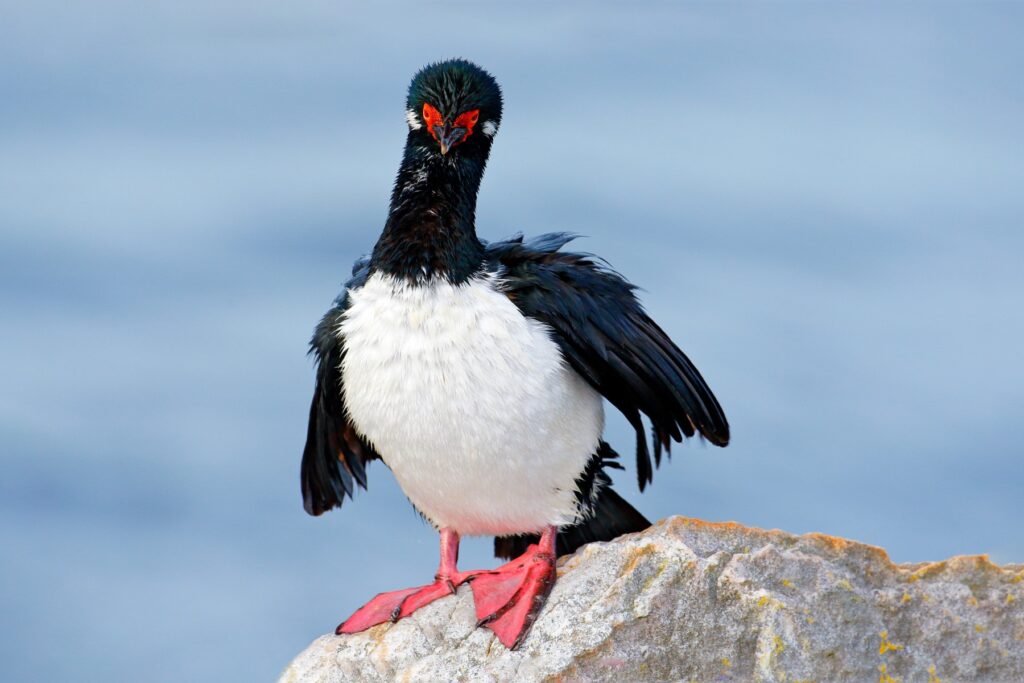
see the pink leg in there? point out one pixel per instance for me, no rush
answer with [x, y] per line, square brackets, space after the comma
[398, 604]
[509, 599]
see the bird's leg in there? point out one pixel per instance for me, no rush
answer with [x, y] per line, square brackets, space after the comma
[509, 598]
[399, 604]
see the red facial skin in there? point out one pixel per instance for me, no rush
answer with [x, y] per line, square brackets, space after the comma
[431, 117]
[467, 119]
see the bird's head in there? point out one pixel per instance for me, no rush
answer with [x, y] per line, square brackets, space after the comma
[453, 108]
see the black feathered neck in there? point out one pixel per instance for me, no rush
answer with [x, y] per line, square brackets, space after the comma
[431, 229]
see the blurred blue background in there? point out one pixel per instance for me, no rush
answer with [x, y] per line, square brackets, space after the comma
[823, 203]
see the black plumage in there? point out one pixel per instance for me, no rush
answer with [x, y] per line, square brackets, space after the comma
[335, 457]
[611, 342]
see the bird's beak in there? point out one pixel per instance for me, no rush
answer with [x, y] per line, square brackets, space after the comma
[448, 136]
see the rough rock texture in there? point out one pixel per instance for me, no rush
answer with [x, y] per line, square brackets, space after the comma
[688, 600]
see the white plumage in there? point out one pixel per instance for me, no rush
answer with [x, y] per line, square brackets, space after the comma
[469, 402]
[412, 120]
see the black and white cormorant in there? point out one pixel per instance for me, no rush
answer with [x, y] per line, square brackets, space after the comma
[476, 372]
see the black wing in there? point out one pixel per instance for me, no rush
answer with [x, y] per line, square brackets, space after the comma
[335, 455]
[610, 341]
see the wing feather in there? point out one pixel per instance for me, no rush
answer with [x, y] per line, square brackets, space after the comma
[606, 336]
[334, 459]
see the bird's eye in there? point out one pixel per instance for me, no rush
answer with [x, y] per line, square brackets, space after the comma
[431, 117]
[467, 120]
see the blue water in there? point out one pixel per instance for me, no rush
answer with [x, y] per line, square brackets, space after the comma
[822, 203]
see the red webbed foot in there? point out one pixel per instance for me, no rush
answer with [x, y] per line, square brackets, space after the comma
[509, 598]
[400, 604]
[395, 605]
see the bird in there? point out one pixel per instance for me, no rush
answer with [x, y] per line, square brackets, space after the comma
[477, 373]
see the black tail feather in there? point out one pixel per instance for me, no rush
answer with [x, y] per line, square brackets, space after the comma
[611, 518]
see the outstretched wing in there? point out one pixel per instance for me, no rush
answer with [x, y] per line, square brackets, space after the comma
[606, 336]
[335, 456]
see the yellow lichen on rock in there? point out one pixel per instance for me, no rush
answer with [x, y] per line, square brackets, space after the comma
[886, 645]
[884, 676]
[637, 555]
[767, 601]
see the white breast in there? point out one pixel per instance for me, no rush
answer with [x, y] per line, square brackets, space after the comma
[469, 403]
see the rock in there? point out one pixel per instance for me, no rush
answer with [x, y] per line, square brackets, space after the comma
[689, 600]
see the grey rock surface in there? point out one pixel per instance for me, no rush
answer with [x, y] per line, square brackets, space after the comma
[692, 601]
